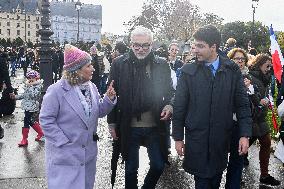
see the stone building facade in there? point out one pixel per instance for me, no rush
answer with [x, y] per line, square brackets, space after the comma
[64, 22]
[16, 21]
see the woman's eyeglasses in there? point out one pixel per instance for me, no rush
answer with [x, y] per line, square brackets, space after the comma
[240, 59]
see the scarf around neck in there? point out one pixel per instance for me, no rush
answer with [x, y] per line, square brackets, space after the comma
[85, 96]
[140, 85]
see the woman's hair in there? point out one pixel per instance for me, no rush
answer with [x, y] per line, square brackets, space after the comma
[73, 78]
[259, 60]
[173, 44]
[232, 53]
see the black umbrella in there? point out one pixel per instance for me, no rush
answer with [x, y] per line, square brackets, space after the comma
[114, 160]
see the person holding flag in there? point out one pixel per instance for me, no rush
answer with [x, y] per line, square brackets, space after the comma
[260, 74]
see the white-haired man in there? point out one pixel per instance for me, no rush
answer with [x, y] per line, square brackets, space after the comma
[143, 85]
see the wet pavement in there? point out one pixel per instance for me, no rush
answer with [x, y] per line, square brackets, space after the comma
[23, 168]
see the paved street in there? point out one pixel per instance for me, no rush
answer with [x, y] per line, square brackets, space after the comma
[23, 168]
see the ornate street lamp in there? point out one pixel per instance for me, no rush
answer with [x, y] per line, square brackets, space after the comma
[45, 46]
[24, 12]
[254, 6]
[78, 7]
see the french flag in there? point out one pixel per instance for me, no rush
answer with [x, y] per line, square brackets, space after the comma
[277, 58]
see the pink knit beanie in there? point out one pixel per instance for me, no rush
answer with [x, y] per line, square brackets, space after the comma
[75, 58]
[33, 74]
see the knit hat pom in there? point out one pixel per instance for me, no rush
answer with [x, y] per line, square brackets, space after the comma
[75, 58]
[93, 49]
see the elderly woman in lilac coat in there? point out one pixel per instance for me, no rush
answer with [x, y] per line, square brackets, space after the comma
[69, 118]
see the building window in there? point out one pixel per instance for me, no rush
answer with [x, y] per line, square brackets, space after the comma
[8, 23]
[7, 16]
[8, 32]
[29, 33]
[29, 26]
[18, 17]
[58, 34]
[37, 26]
[0, 31]
[18, 25]
[37, 18]
[29, 18]
[18, 32]
[37, 35]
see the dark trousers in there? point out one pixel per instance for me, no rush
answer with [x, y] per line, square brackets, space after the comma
[150, 138]
[29, 119]
[208, 183]
[103, 83]
[264, 152]
[236, 162]
[13, 68]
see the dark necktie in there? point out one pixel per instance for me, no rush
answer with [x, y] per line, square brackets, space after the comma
[212, 69]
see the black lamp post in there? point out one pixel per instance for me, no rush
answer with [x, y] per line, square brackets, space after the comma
[78, 7]
[45, 46]
[24, 12]
[254, 6]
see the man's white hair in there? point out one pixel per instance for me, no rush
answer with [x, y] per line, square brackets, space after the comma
[140, 30]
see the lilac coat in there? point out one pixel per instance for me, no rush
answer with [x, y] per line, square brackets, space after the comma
[71, 153]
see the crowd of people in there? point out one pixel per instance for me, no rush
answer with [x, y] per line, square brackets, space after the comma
[212, 101]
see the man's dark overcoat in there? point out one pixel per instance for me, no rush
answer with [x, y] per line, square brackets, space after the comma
[204, 107]
[162, 95]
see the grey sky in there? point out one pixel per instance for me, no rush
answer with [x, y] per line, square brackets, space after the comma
[115, 12]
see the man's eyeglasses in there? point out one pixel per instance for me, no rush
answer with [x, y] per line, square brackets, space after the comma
[144, 46]
[240, 59]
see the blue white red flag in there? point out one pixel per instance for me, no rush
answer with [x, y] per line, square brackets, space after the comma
[277, 58]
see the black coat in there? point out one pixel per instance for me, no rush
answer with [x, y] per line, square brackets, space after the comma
[96, 74]
[7, 105]
[204, 107]
[162, 96]
[4, 73]
[178, 64]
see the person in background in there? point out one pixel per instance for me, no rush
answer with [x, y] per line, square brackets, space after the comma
[55, 64]
[119, 49]
[30, 104]
[4, 78]
[260, 73]
[13, 55]
[190, 56]
[7, 104]
[174, 62]
[69, 117]
[230, 44]
[236, 161]
[98, 64]
[209, 91]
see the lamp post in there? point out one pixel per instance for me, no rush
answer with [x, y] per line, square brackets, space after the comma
[78, 7]
[254, 6]
[24, 12]
[45, 46]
